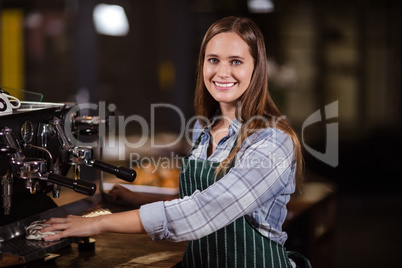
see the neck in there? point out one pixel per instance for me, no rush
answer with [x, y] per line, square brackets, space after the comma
[228, 111]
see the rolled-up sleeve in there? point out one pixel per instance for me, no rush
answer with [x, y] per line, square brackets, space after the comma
[153, 219]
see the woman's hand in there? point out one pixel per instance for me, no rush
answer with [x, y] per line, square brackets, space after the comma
[119, 192]
[128, 222]
[73, 226]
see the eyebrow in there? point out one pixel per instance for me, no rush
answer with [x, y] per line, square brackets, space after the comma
[230, 57]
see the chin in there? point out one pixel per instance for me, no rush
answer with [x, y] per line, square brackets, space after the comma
[224, 100]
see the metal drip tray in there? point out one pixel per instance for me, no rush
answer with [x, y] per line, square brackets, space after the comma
[25, 250]
[15, 246]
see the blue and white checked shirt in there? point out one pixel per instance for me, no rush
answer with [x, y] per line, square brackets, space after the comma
[257, 187]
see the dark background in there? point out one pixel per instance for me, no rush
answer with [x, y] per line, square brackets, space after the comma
[321, 52]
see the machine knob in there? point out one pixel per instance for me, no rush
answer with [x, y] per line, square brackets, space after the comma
[123, 173]
[79, 186]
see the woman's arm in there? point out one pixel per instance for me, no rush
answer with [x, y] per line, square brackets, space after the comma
[123, 222]
[121, 193]
[263, 172]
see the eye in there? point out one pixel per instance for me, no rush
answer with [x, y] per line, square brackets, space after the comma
[213, 60]
[236, 62]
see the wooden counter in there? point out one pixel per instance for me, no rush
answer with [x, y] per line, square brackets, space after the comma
[118, 250]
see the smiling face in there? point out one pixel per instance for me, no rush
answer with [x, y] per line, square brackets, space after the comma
[228, 68]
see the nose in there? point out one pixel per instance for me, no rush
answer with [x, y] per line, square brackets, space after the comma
[223, 70]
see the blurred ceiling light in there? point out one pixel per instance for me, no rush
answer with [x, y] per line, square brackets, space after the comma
[110, 20]
[260, 6]
[34, 20]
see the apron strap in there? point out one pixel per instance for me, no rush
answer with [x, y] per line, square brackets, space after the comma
[197, 142]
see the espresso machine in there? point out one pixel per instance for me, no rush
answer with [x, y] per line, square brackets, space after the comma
[39, 147]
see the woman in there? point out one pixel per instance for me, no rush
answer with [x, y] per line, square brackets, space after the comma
[238, 177]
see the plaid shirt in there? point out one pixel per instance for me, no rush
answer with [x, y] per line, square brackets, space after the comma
[257, 187]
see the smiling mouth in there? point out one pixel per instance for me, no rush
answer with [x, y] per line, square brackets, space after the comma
[225, 85]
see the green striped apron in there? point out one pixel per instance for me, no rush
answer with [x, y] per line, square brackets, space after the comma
[236, 245]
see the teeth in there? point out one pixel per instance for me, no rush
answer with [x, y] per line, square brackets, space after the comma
[224, 85]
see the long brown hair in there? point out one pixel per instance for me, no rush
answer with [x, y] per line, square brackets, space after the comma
[256, 106]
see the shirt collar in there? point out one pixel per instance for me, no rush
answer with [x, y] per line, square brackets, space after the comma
[234, 126]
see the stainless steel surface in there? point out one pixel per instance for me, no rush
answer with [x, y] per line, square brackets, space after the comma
[8, 134]
[30, 168]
